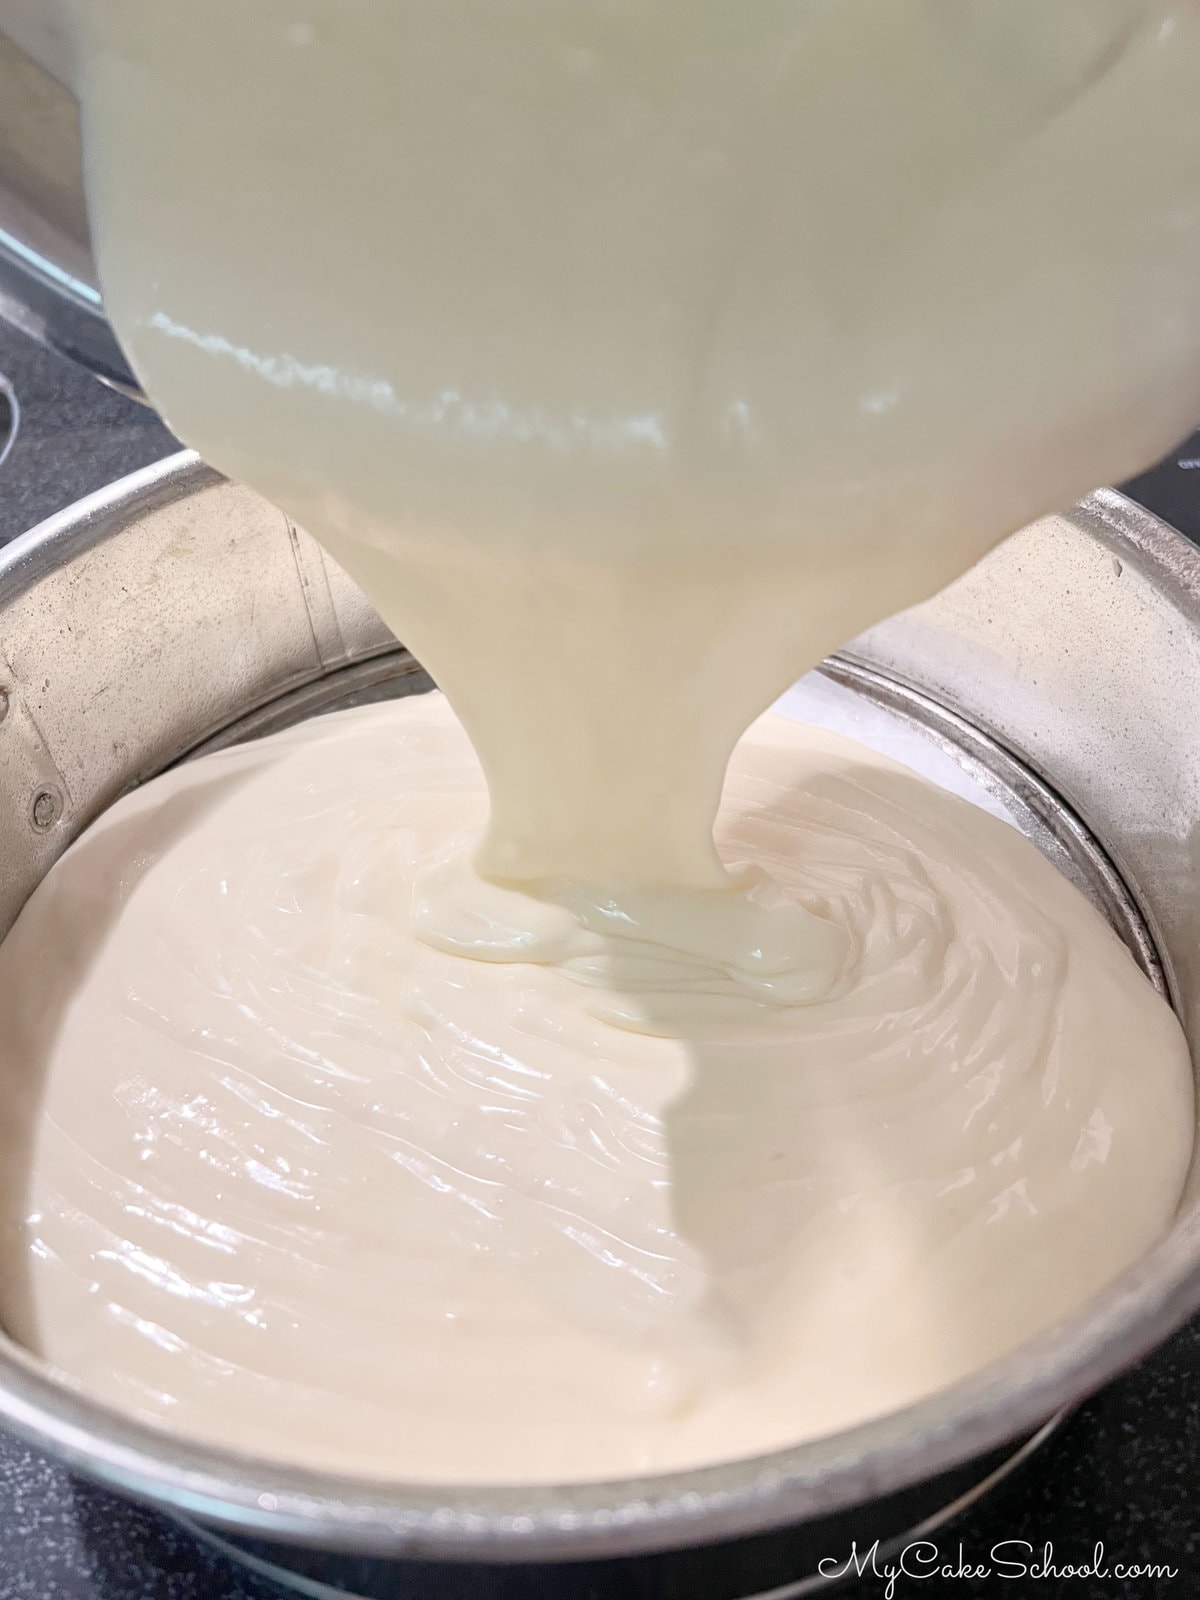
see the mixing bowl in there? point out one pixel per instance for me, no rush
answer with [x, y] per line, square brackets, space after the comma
[175, 612]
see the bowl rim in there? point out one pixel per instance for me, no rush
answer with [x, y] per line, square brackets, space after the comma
[1011, 1397]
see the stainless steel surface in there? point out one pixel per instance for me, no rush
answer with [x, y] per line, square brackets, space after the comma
[1078, 644]
[342, 1585]
[48, 282]
[166, 611]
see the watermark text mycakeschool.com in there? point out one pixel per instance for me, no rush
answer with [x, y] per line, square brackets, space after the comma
[1010, 1558]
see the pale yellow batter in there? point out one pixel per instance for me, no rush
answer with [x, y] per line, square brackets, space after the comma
[305, 1184]
[632, 357]
[635, 355]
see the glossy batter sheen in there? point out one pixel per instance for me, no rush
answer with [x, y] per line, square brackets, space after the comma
[636, 355]
[305, 1184]
[631, 356]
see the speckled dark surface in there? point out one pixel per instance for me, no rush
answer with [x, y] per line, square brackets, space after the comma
[74, 436]
[1125, 1471]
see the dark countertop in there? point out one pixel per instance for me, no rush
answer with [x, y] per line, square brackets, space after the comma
[1124, 1471]
[74, 435]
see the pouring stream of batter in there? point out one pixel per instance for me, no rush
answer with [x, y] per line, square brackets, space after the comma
[635, 357]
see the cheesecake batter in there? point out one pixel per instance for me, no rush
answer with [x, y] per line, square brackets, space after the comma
[632, 357]
[304, 1183]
